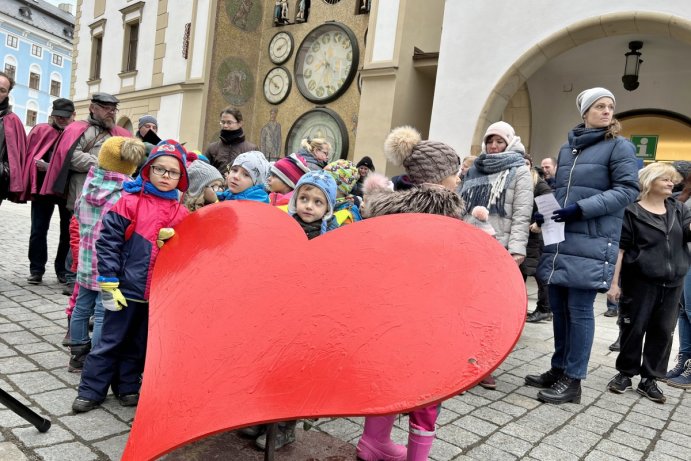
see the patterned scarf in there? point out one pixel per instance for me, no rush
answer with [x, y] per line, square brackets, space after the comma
[479, 191]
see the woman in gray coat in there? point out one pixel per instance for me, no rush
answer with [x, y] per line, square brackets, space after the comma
[597, 177]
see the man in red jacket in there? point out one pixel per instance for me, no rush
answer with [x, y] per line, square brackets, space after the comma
[12, 145]
[41, 143]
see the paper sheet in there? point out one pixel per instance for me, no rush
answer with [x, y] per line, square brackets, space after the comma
[552, 232]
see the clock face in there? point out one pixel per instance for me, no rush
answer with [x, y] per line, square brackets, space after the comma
[320, 123]
[277, 85]
[280, 47]
[326, 62]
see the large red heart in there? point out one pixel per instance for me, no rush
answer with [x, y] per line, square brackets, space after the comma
[250, 322]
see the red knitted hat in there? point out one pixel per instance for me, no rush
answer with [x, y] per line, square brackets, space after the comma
[290, 169]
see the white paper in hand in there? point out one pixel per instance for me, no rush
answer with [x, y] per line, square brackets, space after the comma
[552, 232]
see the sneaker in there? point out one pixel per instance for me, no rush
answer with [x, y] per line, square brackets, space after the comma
[648, 388]
[82, 405]
[35, 279]
[611, 312]
[129, 400]
[537, 316]
[683, 381]
[284, 436]
[489, 383]
[679, 368]
[619, 384]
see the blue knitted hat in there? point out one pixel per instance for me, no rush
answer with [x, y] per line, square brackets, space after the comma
[324, 182]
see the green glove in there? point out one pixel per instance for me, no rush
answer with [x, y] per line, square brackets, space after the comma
[111, 297]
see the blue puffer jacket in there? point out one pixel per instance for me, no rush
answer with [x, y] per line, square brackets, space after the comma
[602, 177]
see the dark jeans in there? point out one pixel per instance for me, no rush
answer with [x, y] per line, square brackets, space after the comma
[646, 310]
[119, 355]
[42, 207]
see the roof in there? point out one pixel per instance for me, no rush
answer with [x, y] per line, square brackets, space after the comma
[43, 16]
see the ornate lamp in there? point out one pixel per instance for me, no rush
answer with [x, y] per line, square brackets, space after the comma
[633, 62]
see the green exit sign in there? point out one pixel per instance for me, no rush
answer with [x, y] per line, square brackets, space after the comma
[646, 145]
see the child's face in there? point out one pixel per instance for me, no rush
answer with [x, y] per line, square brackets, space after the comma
[238, 179]
[211, 189]
[161, 171]
[451, 182]
[276, 185]
[311, 204]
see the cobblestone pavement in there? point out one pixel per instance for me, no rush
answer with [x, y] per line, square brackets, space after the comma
[504, 424]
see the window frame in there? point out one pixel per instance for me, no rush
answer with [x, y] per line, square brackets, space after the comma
[58, 58]
[55, 84]
[35, 76]
[31, 117]
[36, 50]
[12, 73]
[12, 41]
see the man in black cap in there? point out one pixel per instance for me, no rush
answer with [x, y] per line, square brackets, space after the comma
[77, 151]
[41, 143]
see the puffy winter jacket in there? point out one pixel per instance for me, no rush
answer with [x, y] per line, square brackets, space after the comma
[132, 260]
[601, 176]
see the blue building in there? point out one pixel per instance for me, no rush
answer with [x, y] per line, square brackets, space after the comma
[36, 48]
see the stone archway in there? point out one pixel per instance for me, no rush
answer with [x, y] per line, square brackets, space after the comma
[607, 25]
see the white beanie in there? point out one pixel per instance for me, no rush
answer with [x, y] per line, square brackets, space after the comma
[501, 129]
[256, 165]
[201, 174]
[588, 97]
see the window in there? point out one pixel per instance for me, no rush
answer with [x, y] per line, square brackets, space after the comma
[34, 80]
[11, 70]
[12, 41]
[96, 50]
[131, 40]
[57, 59]
[36, 50]
[31, 116]
[55, 88]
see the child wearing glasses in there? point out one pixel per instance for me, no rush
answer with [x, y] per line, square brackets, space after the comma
[131, 236]
[205, 182]
[246, 178]
[282, 178]
[118, 158]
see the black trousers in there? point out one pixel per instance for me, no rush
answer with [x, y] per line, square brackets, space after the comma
[647, 312]
[542, 296]
[42, 207]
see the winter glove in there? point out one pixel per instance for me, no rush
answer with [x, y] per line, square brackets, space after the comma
[164, 234]
[571, 213]
[111, 297]
[538, 219]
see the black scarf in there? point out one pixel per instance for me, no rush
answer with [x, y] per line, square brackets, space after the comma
[232, 136]
[4, 107]
[312, 229]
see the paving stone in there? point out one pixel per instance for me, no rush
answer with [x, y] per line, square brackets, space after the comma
[125, 414]
[523, 401]
[9, 327]
[58, 402]
[523, 431]
[678, 438]
[95, 424]
[10, 419]
[671, 449]
[341, 428]
[51, 360]
[659, 456]
[475, 425]
[513, 445]
[10, 365]
[446, 416]
[490, 452]
[547, 452]
[645, 420]
[575, 440]
[113, 447]
[611, 416]
[473, 400]
[34, 348]
[10, 452]
[442, 450]
[30, 437]
[622, 451]
[629, 440]
[74, 451]
[637, 429]
[457, 406]
[508, 409]
[598, 455]
[20, 337]
[34, 382]
[492, 415]
[5, 351]
[457, 436]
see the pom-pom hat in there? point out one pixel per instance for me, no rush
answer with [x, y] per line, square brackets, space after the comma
[122, 155]
[171, 148]
[424, 161]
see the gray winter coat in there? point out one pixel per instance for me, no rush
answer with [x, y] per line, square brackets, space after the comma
[601, 176]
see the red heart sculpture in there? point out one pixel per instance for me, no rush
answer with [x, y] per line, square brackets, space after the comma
[250, 322]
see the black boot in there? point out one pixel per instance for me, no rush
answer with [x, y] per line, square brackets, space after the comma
[78, 355]
[616, 345]
[546, 379]
[537, 316]
[66, 339]
[563, 391]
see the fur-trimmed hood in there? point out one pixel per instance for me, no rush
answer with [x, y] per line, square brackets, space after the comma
[423, 199]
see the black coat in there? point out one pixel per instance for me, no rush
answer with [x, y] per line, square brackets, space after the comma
[534, 247]
[653, 252]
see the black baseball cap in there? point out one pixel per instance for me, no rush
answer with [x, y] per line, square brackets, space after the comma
[62, 108]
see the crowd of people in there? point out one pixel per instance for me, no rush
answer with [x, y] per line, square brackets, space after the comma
[120, 197]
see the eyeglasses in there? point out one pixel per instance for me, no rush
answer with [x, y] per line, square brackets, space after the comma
[159, 171]
[112, 109]
[215, 187]
[228, 122]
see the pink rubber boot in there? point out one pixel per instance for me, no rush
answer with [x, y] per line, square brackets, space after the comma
[419, 443]
[375, 443]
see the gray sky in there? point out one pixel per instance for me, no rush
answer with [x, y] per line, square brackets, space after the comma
[71, 2]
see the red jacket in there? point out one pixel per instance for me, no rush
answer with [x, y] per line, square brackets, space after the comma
[15, 141]
[40, 141]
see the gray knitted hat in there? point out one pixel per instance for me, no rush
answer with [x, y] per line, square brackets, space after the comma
[144, 119]
[588, 97]
[256, 165]
[201, 174]
[424, 161]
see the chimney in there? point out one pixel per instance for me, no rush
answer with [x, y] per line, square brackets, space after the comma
[66, 7]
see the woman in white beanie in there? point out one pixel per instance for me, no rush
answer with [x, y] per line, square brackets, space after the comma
[500, 181]
[597, 177]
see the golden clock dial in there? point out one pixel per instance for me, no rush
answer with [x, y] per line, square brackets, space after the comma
[326, 62]
[281, 47]
[277, 85]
